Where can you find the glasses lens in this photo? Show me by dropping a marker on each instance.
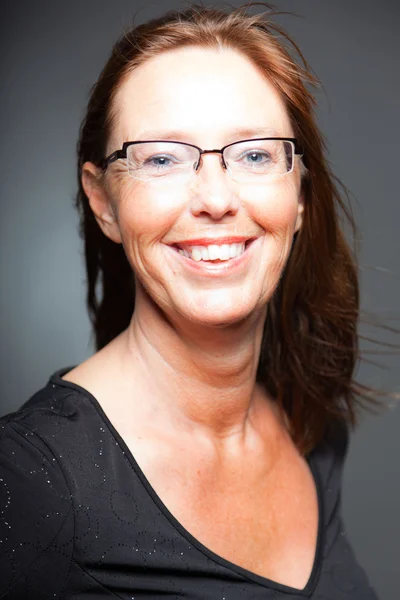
(258, 159)
(157, 160)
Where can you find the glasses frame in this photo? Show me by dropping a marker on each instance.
(122, 152)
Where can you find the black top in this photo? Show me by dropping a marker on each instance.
(78, 518)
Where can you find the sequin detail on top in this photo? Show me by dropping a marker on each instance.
(79, 519)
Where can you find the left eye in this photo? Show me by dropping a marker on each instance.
(256, 156)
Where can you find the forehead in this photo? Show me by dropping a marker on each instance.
(205, 94)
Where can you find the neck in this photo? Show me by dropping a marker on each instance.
(197, 376)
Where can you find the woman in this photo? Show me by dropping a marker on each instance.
(198, 453)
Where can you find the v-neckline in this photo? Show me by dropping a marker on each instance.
(56, 378)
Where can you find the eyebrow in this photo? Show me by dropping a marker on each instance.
(237, 133)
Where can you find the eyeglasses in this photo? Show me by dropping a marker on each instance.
(246, 161)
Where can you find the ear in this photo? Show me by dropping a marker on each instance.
(99, 201)
(300, 213)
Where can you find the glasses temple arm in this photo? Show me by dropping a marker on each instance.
(113, 157)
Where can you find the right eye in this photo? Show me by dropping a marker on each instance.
(160, 161)
(157, 159)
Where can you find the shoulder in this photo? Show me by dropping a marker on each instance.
(337, 440)
(332, 451)
(50, 409)
(329, 458)
(336, 449)
(37, 523)
(51, 425)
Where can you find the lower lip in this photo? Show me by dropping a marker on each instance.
(216, 269)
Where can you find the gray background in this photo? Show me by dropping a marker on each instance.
(51, 53)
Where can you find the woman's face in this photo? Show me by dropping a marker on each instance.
(204, 97)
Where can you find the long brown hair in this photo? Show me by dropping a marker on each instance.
(310, 343)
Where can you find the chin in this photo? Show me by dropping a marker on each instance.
(217, 316)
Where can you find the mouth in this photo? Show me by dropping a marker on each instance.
(213, 253)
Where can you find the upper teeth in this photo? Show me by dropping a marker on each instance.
(213, 252)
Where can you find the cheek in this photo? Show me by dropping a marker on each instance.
(145, 216)
(275, 207)
(146, 213)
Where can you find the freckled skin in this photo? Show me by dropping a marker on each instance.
(188, 331)
(179, 382)
(206, 94)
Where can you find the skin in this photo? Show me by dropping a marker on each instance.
(190, 332)
(208, 438)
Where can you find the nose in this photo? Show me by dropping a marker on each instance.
(213, 192)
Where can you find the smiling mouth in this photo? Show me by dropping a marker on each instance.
(214, 253)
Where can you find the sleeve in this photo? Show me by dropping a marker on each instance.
(36, 517)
